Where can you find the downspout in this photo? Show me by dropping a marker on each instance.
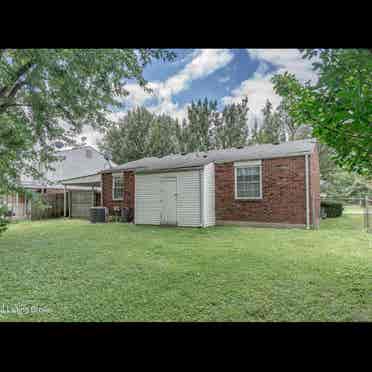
(201, 183)
(307, 191)
(65, 201)
(101, 185)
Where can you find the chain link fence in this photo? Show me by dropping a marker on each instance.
(357, 206)
(368, 215)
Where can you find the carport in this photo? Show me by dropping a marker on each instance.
(80, 194)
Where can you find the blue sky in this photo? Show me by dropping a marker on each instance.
(214, 86)
(226, 75)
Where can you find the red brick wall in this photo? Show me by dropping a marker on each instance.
(128, 200)
(283, 188)
(314, 186)
(129, 189)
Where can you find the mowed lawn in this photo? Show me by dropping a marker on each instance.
(116, 272)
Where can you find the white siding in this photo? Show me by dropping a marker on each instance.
(188, 198)
(147, 199)
(209, 195)
(73, 163)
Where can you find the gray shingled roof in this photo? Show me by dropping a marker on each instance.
(197, 159)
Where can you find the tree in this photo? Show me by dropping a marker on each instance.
(202, 116)
(270, 125)
(3, 220)
(256, 137)
(164, 136)
(289, 129)
(141, 134)
(338, 106)
(231, 129)
(270, 131)
(182, 136)
(343, 184)
(48, 95)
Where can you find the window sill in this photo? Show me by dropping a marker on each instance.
(260, 198)
(118, 199)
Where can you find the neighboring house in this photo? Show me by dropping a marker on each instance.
(76, 162)
(275, 185)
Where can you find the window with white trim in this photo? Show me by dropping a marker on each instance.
(117, 186)
(248, 180)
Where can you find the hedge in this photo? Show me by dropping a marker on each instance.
(332, 209)
(3, 218)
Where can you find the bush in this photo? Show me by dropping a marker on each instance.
(3, 218)
(332, 209)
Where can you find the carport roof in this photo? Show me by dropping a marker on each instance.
(197, 159)
(92, 180)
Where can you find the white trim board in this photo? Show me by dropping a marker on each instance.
(246, 164)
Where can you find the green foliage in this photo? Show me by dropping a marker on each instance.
(163, 136)
(48, 95)
(342, 184)
(288, 127)
(277, 126)
(231, 130)
(332, 209)
(182, 136)
(338, 106)
(207, 128)
(271, 126)
(141, 134)
(202, 117)
(3, 218)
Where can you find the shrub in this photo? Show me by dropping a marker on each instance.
(3, 218)
(332, 209)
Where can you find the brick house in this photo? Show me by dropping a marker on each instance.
(268, 185)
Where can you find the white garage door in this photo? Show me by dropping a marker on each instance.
(172, 198)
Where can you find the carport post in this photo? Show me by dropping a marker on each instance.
(65, 201)
(93, 196)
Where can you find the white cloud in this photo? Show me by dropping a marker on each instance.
(204, 63)
(224, 79)
(170, 108)
(259, 88)
(201, 63)
(285, 60)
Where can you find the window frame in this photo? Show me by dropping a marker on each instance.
(114, 177)
(247, 164)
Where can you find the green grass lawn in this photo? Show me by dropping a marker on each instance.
(357, 209)
(117, 272)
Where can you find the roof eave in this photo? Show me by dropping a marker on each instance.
(168, 170)
(265, 157)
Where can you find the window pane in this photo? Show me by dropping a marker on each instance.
(248, 182)
(118, 187)
(248, 190)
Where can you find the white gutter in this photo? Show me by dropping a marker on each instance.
(101, 184)
(307, 191)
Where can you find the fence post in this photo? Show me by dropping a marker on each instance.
(366, 213)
